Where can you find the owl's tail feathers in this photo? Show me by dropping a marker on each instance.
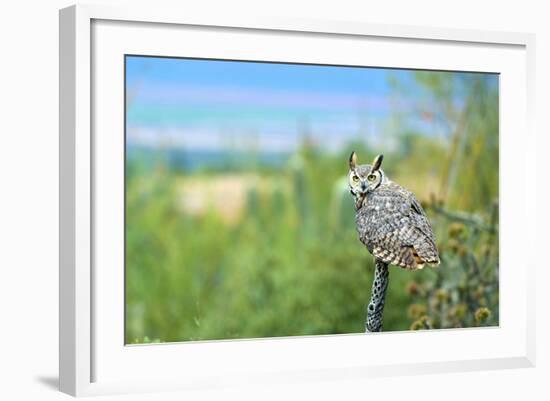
(432, 261)
(433, 265)
(407, 257)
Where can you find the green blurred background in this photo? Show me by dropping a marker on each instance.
(239, 223)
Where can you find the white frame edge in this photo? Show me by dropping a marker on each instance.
(75, 208)
(74, 201)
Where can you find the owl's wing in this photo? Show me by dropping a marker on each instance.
(398, 229)
(419, 216)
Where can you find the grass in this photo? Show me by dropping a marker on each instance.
(289, 264)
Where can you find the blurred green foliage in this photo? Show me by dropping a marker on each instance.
(273, 251)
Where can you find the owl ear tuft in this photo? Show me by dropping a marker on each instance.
(377, 162)
(352, 160)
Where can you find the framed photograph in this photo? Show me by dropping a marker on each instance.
(247, 201)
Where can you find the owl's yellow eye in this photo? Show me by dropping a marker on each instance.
(371, 177)
(355, 178)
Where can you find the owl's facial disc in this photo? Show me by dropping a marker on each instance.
(362, 181)
(364, 178)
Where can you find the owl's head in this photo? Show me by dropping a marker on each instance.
(364, 178)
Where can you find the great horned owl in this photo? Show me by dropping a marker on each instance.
(390, 221)
(392, 225)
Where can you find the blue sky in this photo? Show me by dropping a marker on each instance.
(206, 104)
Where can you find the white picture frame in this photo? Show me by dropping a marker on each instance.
(92, 354)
